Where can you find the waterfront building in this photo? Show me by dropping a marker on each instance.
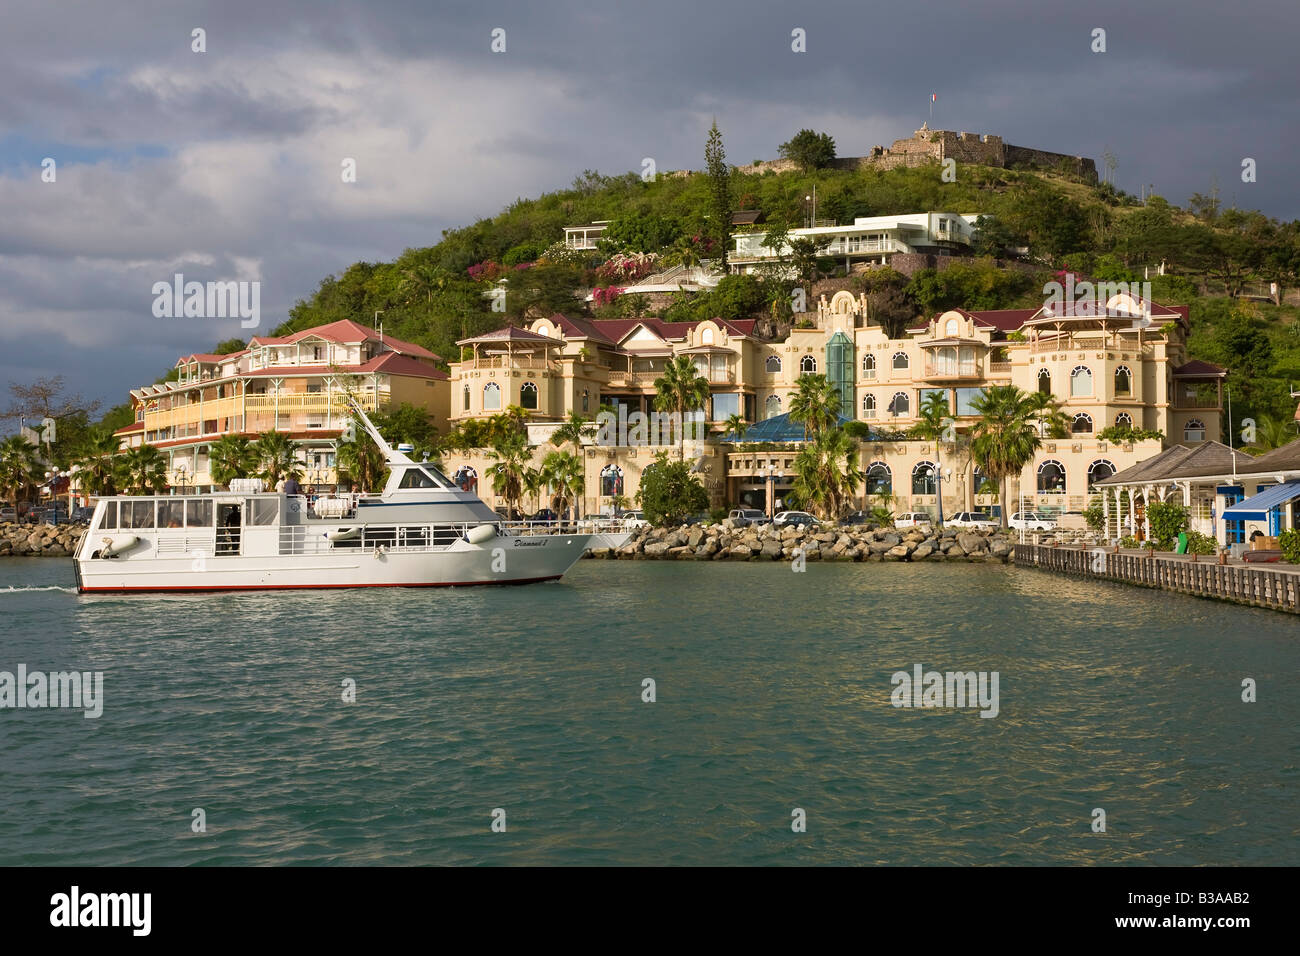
(293, 384)
(1124, 363)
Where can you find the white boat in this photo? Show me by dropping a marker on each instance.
(422, 531)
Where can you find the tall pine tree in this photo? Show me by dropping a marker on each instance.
(715, 158)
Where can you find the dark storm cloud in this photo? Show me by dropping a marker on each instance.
(226, 163)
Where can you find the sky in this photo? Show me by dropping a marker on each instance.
(226, 164)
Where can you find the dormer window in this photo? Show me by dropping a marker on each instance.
(950, 328)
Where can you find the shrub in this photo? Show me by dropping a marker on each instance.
(1289, 542)
(1198, 543)
(1128, 541)
(670, 493)
(1167, 519)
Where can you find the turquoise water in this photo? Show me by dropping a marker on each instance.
(773, 692)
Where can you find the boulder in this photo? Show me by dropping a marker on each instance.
(972, 543)
(740, 551)
(923, 551)
(896, 553)
(656, 549)
(695, 537)
(772, 550)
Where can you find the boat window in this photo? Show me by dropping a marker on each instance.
(415, 478)
(137, 514)
(171, 514)
(109, 518)
(262, 511)
(198, 514)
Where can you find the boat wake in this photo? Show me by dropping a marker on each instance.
(52, 587)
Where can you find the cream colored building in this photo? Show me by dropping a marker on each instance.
(1119, 366)
(294, 384)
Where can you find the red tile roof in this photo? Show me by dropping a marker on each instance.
(346, 331)
(1199, 367)
(510, 333)
(133, 427)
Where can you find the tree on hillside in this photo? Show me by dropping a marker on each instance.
(811, 150)
(888, 304)
(720, 205)
(228, 347)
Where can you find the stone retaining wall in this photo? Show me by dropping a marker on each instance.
(41, 540)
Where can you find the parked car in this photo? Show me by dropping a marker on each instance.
(547, 515)
(8, 514)
(913, 519)
(509, 514)
(633, 519)
(977, 520)
(81, 515)
(744, 517)
(701, 518)
(795, 519)
(596, 522)
(856, 518)
(1032, 521)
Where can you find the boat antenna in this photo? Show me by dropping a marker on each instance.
(391, 456)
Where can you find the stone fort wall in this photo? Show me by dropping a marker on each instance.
(934, 146)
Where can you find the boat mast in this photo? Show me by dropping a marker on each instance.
(391, 456)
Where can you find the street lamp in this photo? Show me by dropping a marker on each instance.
(181, 471)
(51, 477)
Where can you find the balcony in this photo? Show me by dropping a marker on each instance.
(309, 401)
(526, 361)
(999, 368)
(625, 379)
(953, 371)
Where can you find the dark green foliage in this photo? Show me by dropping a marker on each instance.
(670, 493)
(811, 150)
(636, 232)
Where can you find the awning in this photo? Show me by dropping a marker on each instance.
(1257, 507)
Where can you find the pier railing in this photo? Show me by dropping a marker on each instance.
(1260, 585)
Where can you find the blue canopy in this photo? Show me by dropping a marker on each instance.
(779, 428)
(1256, 508)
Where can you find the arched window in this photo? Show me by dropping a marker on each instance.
(491, 397)
(807, 365)
(950, 328)
(1082, 424)
(868, 406)
(706, 336)
(923, 478)
(1124, 419)
(1080, 381)
(465, 395)
(1099, 470)
(611, 481)
(1045, 381)
(868, 366)
(900, 406)
(900, 361)
(1194, 430)
(773, 363)
(528, 395)
(1051, 478)
(1123, 381)
(773, 405)
(880, 481)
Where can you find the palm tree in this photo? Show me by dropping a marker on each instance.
(17, 466)
(1006, 435)
(512, 456)
(573, 431)
(1270, 433)
(828, 473)
(99, 467)
(565, 473)
(231, 457)
(736, 425)
(361, 460)
(933, 419)
(681, 389)
(682, 253)
(1052, 422)
(816, 404)
(276, 452)
(144, 471)
(534, 482)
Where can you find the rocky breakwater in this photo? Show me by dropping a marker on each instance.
(40, 540)
(722, 542)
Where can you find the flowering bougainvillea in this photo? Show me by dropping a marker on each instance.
(605, 295)
(485, 271)
(628, 266)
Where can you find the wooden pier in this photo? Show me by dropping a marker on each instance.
(1276, 587)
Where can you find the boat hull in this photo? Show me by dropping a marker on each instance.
(504, 560)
